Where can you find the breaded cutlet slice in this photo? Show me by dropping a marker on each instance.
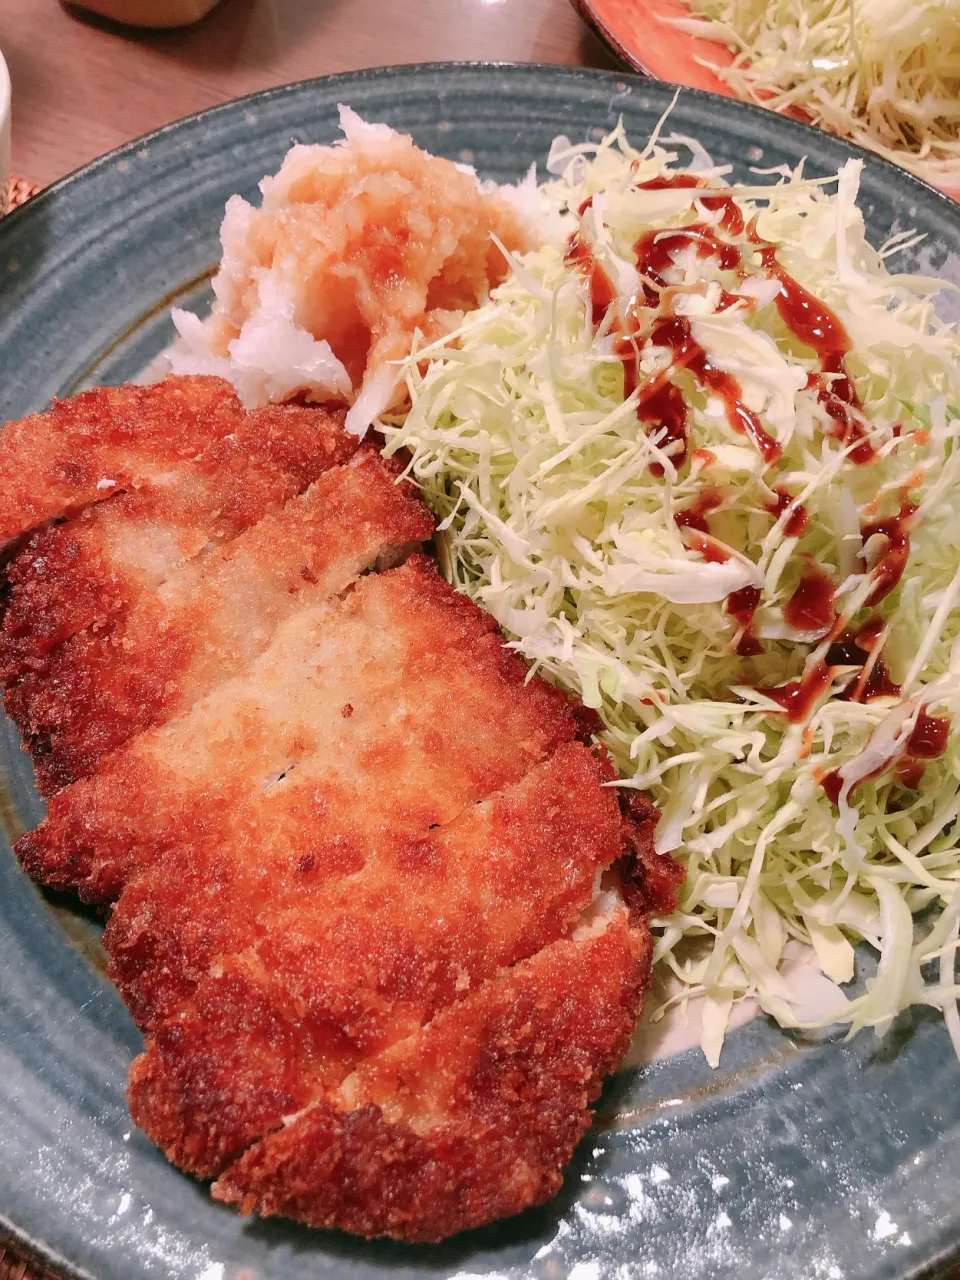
(468, 1120)
(500, 870)
(80, 450)
(215, 615)
(82, 572)
(397, 703)
(363, 917)
(335, 976)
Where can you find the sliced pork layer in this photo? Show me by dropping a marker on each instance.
(502, 878)
(397, 703)
(83, 573)
(468, 1120)
(380, 911)
(81, 450)
(212, 617)
(340, 974)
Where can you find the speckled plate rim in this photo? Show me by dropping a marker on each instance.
(569, 76)
(413, 70)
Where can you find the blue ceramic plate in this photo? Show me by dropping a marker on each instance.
(829, 1161)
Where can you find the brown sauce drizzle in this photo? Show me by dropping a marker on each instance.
(811, 607)
(731, 219)
(724, 385)
(909, 773)
(853, 649)
(926, 741)
(709, 548)
(798, 519)
(833, 397)
(676, 182)
(850, 649)
(878, 684)
(816, 326)
(741, 605)
(797, 698)
(888, 570)
(832, 785)
(813, 323)
(655, 250)
(928, 737)
(665, 406)
(599, 284)
(662, 406)
(695, 516)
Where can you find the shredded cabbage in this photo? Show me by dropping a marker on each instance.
(554, 519)
(884, 73)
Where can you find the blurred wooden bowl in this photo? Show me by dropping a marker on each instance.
(149, 13)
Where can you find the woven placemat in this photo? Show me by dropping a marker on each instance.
(17, 191)
(13, 1267)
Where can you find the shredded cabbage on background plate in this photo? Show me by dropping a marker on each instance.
(884, 73)
(559, 505)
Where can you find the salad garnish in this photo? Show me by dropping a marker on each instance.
(700, 459)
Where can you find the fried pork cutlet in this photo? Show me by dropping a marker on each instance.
(215, 614)
(359, 917)
(501, 875)
(468, 1120)
(379, 912)
(428, 920)
(167, 499)
(396, 704)
(109, 438)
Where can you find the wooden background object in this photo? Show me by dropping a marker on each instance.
(82, 85)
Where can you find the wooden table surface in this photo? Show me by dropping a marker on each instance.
(82, 85)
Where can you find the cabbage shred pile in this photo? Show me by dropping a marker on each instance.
(884, 73)
(559, 505)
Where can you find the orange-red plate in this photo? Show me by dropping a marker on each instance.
(641, 33)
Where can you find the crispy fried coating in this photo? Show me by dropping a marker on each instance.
(364, 964)
(369, 949)
(217, 613)
(649, 881)
(247, 1054)
(397, 702)
(380, 913)
(84, 572)
(470, 1119)
(56, 462)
